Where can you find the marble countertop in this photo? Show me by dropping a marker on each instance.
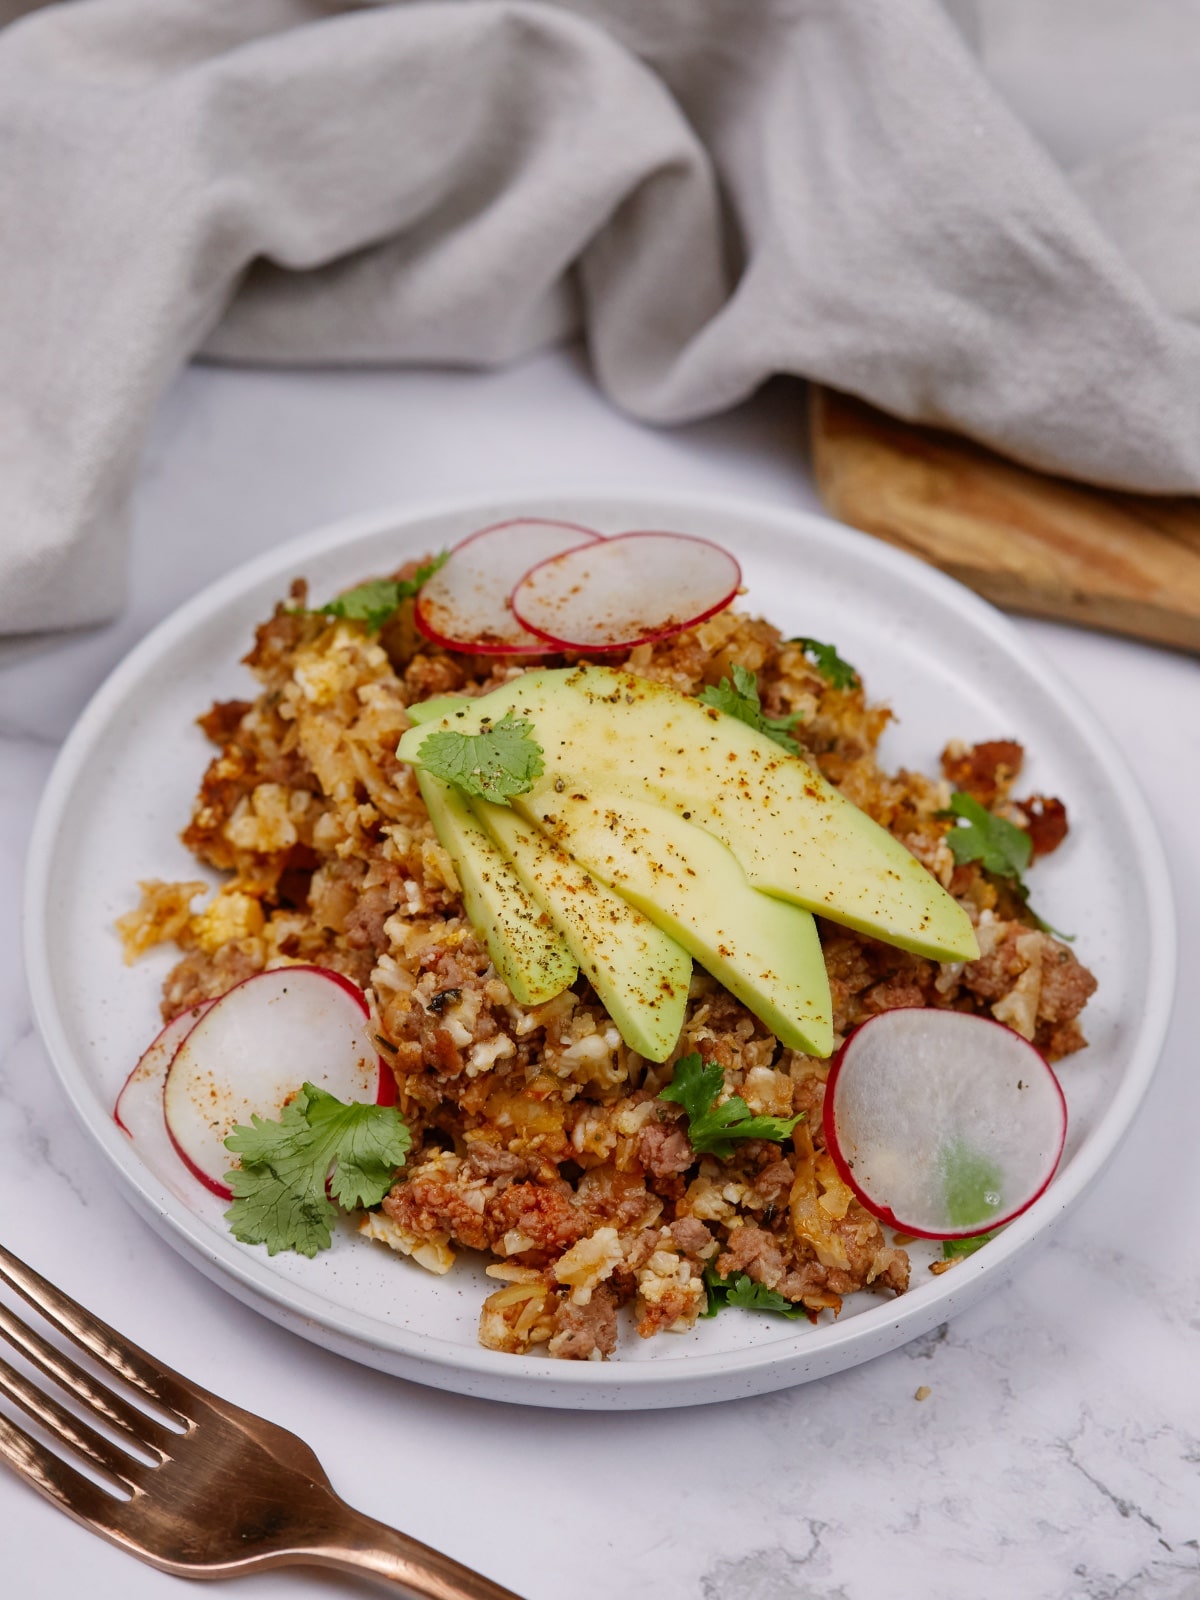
(1057, 1454)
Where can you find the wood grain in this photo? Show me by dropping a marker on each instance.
(1127, 563)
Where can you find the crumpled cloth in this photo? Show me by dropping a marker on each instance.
(711, 191)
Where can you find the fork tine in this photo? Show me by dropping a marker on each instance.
(68, 1428)
(56, 1479)
(134, 1424)
(160, 1383)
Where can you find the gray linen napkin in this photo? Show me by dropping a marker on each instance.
(711, 190)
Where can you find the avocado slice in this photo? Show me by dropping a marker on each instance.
(640, 973)
(641, 976)
(791, 832)
(765, 951)
(439, 705)
(526, 948)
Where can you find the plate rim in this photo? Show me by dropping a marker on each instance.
(531, 1379)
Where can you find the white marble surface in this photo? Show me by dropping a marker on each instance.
(1058, 1453)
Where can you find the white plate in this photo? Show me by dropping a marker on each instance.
(950, 665)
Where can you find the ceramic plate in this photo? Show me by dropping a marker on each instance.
(951, 667)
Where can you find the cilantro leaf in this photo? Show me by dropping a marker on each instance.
(370, 603)
(374, 602)
(279, 1194)
(836, 672)
(998, 845)
(695, 1084)
(952, 1248)
(740, 699)
(971, 1183)
(503, 759)
(743, 1292)
(713, 1129)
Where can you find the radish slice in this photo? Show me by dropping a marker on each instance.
(464, 606)
(139, 1108)
(627, 590)
(252, 1052)
(944, 1124)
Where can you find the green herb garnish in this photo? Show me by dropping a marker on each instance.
(279, 1194)
(971, 1184)
(998, 845)
(713, 1129)
(374, 602)
(743, 1292)
(501, 760)
(953, 1248)
(740, 699)
(836, 672)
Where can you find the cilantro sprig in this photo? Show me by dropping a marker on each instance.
(740, 699)
(837, 673)
(501, 760)
(374, 602)
(742, 1291)
(998, 845)
(714, 1129)
(279, 1191)
(953, 1248)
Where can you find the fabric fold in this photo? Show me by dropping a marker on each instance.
(710, 191)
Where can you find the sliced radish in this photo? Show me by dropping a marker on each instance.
(252, 1052)
(139, 1108)
(627, 590)
(464, 606)
(944, 1124)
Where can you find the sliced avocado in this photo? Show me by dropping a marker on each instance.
(640, 973)
(765, 951)
(792, 833)
(526, 949)
(440, 705)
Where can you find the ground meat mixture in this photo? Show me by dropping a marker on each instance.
(582, 1332)
(538, 1137)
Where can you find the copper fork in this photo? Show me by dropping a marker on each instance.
(216, 1492)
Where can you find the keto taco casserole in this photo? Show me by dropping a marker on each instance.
(539, 1138)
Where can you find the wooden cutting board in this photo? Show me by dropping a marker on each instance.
(1029, 542)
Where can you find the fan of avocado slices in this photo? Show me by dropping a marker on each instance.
(605, 824)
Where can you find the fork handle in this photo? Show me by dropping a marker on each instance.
(360, 1544)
